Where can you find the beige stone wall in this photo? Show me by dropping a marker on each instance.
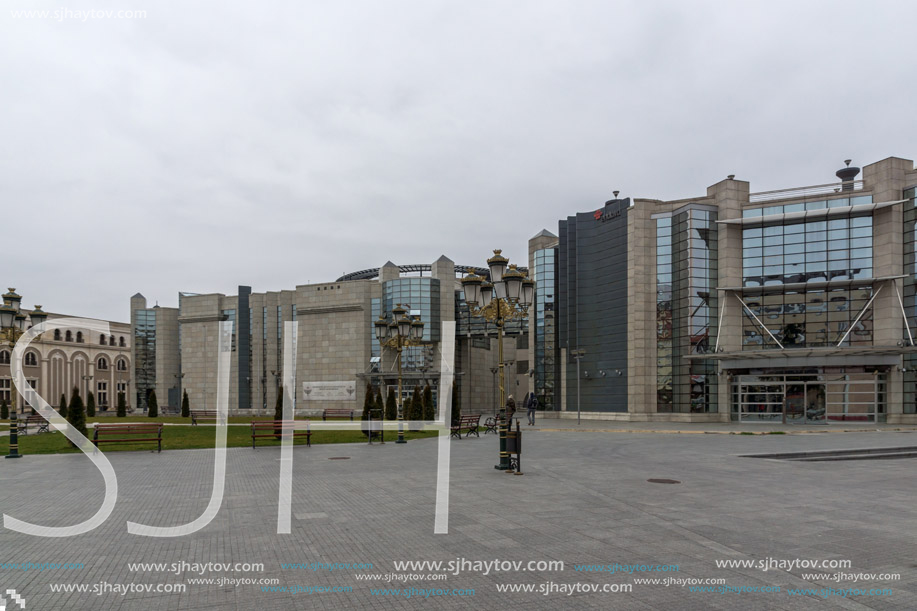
(334, 342)
(887, 180)
(199, 319)
(730, 196)
(641, 305)
(168, 357)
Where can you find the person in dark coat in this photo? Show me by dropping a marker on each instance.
(530, 405)
(510, 410)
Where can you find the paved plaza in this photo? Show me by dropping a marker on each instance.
(585, 500)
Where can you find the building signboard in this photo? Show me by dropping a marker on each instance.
(329, 391)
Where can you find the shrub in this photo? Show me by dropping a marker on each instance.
(406, 409)
(152, 405)
(122, 405)
(62, 406)
(76, 415)
(391, 407)
(367, 406)
(456, 407)
(91, 405)
(429, 410)
(185, 405)
(4, 410)
(416, 411)
(380, 409)
(278, 411)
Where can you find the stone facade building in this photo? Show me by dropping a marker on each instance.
(336, 344)
(60, 360)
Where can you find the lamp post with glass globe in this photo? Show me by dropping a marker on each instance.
(402, 332)
(507, 296)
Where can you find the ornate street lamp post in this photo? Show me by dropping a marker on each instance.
(494, 371)
(12, 325)
(507, 296)
(402, 332)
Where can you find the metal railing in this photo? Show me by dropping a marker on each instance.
(832, 188)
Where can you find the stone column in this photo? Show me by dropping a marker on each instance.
(641, 307)
(730, 196)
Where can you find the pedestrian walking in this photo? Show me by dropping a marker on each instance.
(510, 410)
(531, 404)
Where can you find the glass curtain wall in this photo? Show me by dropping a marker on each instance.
(145, 351)
(817, 251)
(421, 297)
(664, 314)
(686, 273)
(545, 330)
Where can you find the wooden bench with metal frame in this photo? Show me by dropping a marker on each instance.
(203, 415)
(127, 433)
(35, 419)
(466, 423)
(278, 429)
(338, 413)
(492, 425)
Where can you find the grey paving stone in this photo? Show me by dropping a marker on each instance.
(584, 499)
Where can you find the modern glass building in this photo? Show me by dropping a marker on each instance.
(544, 328)
(794, 305)
(154, 355)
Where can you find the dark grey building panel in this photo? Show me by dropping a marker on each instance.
(592, 296)
(244, 342)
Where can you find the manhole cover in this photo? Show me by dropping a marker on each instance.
(663, 481)
(339, 458)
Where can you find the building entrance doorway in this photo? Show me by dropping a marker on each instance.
(816, 398)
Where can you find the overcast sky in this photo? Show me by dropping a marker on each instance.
(212, 144)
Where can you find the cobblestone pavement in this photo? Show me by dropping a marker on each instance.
(584, 500)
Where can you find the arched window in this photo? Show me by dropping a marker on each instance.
(121, 341)
(31, 359)
(102, 339)
(102, 363)
(79, 337)
(122, 365)
(57, 335)
(69, 336)
(111, 340)
(4, 357)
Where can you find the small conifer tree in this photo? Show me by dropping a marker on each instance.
(456, 408)
(367, 406)
(62, 407)
(152, 405)
(429, 411)
(416, 411)
(185, 405)
(76, 415)
(4, 410)
(122, 406)
(391, 406)
(278, 412)
(91, 405)
(379, 406)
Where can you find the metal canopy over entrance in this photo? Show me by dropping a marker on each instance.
(809, 398)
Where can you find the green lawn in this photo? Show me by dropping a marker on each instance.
(187, 438)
